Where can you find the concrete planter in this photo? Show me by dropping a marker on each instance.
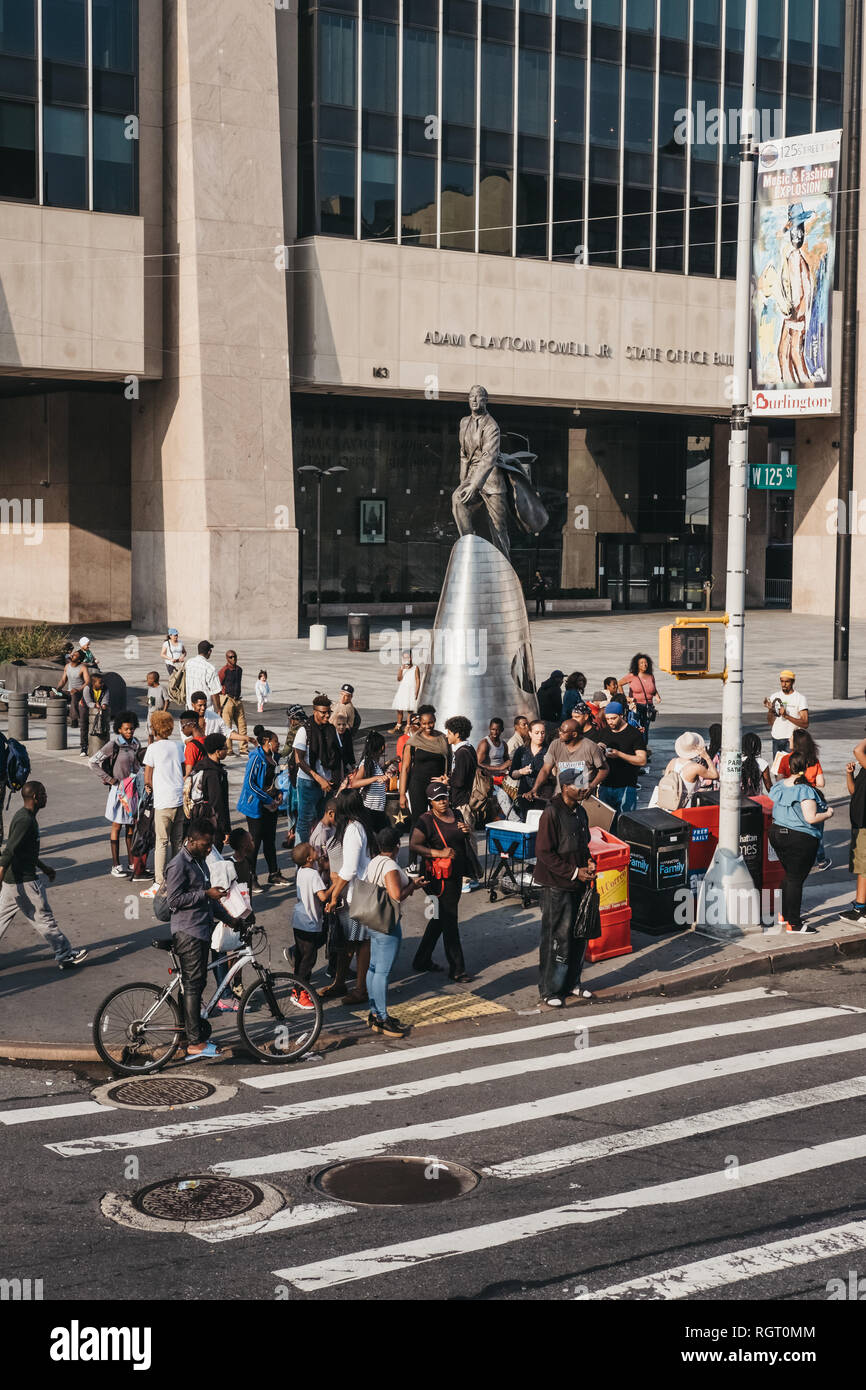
(26, 675)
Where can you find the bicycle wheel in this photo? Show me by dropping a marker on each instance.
(271, 1021)
(125, 1041)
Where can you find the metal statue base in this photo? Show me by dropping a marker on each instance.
(479, 662)
(728, 901)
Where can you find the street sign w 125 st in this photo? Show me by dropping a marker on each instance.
(770, 477)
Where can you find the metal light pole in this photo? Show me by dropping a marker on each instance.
(848, 390)
(727, 877)
(320, 474)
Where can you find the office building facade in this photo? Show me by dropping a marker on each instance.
(241, 239)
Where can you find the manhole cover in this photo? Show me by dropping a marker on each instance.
(395, 1181)
(160, 1091)
(197, 1198)
(163, 1092)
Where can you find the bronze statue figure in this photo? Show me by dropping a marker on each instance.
(487, 477)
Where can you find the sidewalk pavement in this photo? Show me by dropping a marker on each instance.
(47, 1013)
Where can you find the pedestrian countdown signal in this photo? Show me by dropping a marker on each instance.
(685, 650)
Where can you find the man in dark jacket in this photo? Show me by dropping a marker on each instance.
(464, 760)
(194, 905)
(550, 697)
(20, 884)
(565, 871)
(210, 789)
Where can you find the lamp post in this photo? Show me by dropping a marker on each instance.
(727, 878)
(320, 474)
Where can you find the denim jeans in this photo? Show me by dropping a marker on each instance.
(383, 953)
(781, 745)
(620, 798)
(309, 796)
(560, 951)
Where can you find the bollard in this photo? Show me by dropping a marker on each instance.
(17, 707)
(318, 637)
(55, 724)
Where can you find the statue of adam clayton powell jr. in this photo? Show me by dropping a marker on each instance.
(486, 477)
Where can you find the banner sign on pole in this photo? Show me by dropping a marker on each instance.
(793, 255)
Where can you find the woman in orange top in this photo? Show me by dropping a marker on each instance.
(804, 743)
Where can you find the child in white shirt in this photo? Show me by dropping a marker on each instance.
(308, 916)
(263, 690)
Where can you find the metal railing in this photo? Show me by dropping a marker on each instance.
(777, 593)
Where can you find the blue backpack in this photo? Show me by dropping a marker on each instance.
(14, 764)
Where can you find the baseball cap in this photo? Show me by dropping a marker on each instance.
(437, 791)
(172, 632)
(296, 712)
(787, 676)
(349, 689)
(569, 776)
(614, 707)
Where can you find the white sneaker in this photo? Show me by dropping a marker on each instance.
(151, 892)
(118, 872)
(579, 993)
(553, 1003)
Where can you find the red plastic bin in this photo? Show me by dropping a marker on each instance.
(615, 939)
(611, 857)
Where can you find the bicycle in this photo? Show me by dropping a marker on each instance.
(138, 1028)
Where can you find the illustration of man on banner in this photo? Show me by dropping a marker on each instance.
(793, 290)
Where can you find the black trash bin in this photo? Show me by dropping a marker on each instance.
(751, 830)
(658, 868)
(359, 632)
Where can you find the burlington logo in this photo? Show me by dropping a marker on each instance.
(77, 1343)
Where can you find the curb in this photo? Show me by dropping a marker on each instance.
(682, 982)
(712, 976)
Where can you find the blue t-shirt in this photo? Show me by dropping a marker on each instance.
(569, 700)
(786, 807)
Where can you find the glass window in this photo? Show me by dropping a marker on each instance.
(419, 200)
(640, 15)
(419, 73)
(64, 138)
(607, 12)
(670, 227)
(337, 60)
(602, 230)
(64, 30)
(336, 191)
(707, 22)
(604, 104)
(17, 150)
(18, 27)
(535, 6)
(458, 80)
(638, 110)
(702, 236)
(378, 196)
(532, 214)
(495, 211)
(830, 25)
(497, 64)
(674, 19)
(380, 66)
(636, 227)
(113, 165)
(672, 111)
(800, 33)
(568, 238)
(735, 24)
(458, 206)
(770, 28)
(707, 133)
(798, 117)
(570, 98)
(114, 24)
(533, 97)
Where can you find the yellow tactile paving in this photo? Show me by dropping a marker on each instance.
(442, 1008)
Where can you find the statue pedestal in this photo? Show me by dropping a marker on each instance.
(479, 662)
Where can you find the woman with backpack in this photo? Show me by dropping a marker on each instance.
(118, 763)
(259, 801)
(683, 775)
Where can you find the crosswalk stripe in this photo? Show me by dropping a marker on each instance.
(625, 1141)
(684, 1281)
(63, 1111)
(250, 1119)
(366, 1264)
(288, 1219)
(430, 1131)
(584, 1019)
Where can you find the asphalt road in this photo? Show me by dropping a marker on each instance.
(620, 1150)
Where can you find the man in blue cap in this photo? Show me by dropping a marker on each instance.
(625, 750)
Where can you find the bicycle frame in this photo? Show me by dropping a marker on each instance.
(245, 957)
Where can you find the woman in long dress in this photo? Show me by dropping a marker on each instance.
(406, 696)
(425, 760)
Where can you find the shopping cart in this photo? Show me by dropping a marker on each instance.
(508, 860)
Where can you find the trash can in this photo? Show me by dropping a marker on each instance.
(611, 857)
(703, 816)
(359, 632)
(658, 870)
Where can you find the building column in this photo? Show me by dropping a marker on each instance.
(214, 543)
(602, 489)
